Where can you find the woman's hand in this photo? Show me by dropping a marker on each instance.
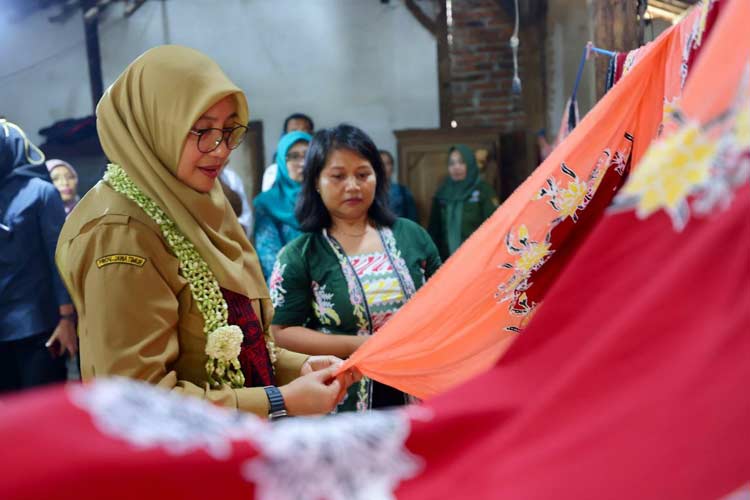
(318, 390)
(314, 393)
(63, 339)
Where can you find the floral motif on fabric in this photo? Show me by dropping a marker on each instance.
(531, 256)
(148, 417)
(346, 457)
(398, 262)
(276, 284)
(620, 162)
(566, 200)
(323, 305)
(670, 171)
(356, 296)
(694, 170)
(355, 292)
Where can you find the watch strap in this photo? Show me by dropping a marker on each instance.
(277, 408)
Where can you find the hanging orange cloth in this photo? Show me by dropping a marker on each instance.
(466, 316)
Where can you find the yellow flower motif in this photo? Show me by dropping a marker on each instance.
(532, 256)
(671, 169)
(572, 198)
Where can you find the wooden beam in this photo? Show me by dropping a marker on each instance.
(427, 23)
(615, 28)
(91, 27)
(444, 68)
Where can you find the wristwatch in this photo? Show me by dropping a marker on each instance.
(276, 402)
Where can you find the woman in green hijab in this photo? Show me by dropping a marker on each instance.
(462, 202)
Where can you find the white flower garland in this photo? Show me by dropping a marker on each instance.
(223, 341)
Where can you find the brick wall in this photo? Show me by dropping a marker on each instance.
(481, 67)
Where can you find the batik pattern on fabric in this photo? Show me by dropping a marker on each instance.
(323, 306)
(695, 169)
(276, 284)
(568, 195)
(394, 254)
(355, 291)
(381, 285)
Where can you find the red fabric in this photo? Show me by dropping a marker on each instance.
(254, 358)
(619, 65)
(51, 450)
(630, 382)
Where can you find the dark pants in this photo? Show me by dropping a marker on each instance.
(27, 363)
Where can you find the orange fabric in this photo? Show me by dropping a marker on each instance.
(466, 316)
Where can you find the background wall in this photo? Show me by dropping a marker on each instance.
(358, 61)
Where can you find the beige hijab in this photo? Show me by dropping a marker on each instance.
(143, 121)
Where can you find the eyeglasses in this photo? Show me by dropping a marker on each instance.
(210, 138)
(295, 157)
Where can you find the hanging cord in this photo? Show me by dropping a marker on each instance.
(29, 146)
(516, 87)
(587, 50)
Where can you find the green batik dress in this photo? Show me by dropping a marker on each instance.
(316, 285)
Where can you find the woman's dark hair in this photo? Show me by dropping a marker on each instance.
(310, 210)
(297, 116)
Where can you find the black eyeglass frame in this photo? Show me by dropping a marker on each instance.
(226, 133)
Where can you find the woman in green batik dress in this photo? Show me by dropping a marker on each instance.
(355, 265)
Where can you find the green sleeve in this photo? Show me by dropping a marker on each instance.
(410, 206)
(432, 256)
(489, 201)
(435, 224)
(290, 288)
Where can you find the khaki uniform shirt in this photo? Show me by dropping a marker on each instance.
(137, 317)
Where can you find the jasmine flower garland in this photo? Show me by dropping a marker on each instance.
(223, 341)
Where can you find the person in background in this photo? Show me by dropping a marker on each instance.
(275, 222)
(400, 198)
(294, 122)
(36, 315)
(231, 180)
(462, 202)
(355, 265)
(168, 288)
(65, 179)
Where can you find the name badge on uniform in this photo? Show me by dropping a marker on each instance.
(130, 260)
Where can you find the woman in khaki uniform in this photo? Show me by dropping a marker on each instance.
(167, 287)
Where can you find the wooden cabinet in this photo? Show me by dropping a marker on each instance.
(423, 160)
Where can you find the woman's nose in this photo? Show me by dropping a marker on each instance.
(222, 150)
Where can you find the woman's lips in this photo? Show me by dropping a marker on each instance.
(212, 172)
(353, 201)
